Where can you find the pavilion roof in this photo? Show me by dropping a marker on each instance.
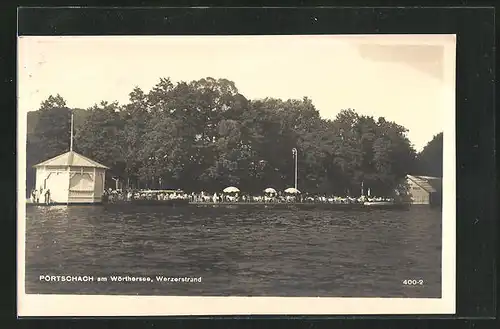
(71, 159)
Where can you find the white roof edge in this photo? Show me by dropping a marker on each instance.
(47, 162)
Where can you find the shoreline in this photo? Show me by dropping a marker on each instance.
(251, 205)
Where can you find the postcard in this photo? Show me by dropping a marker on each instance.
(236, 175)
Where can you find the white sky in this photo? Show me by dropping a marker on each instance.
(398, 77)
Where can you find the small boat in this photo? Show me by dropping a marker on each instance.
(146, 202)
(378, 203)
(171, 202)
(385, 205)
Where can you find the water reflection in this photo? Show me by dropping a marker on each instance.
(237, 252)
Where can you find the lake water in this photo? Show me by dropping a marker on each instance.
(235, 251)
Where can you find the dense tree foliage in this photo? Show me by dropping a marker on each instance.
(205, 135)
(48, 137)
(431, 158)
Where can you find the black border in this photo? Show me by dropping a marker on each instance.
(475, 29)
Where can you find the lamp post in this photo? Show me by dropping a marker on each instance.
(117, 180)
(294, 152)
(152, 172)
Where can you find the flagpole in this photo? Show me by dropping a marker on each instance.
(71, 140)
(294, 152)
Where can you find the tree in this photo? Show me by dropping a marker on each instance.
(162, 155)
(50, 136)
(135, 116)
(99, 137)
(430, 159)
(205, 135)
(53, 102)
(347, 155)
(398, 157)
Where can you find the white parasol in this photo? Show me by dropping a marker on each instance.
(292, 190)
(231, 189)
(270, 190)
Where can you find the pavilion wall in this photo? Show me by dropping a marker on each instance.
(100, 178)
(71, 178)
(71, 185)
(54, 179)
(82, 185)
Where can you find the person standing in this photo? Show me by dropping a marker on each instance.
(47, 196)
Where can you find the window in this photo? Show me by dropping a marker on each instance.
(81, 182)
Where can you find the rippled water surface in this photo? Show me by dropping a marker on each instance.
(248, 252)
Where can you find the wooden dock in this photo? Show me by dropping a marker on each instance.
(238, 205)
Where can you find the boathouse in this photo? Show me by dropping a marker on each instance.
(71, 179)
(425, 189)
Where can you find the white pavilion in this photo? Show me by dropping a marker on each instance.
(71, 178)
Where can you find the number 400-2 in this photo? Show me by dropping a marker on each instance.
(413, 282)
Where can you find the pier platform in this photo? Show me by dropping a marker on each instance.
(238, 205)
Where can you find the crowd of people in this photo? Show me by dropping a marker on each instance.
(129, 195)
(204, 197)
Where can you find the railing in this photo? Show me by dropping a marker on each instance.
(81, 194)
